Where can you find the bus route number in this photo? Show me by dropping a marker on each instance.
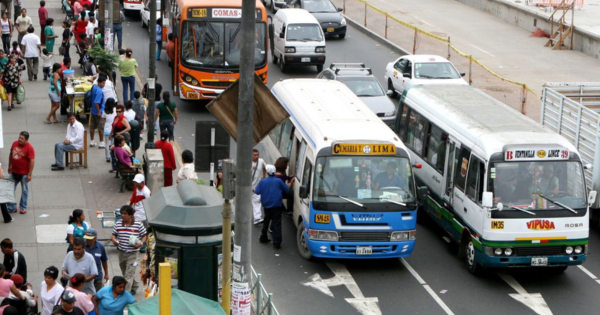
(322, 218)
(497, 225)
(198, 13)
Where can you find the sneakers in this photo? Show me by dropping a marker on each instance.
(259, 221)
(101, 145)
(23, 211)
(92, 144)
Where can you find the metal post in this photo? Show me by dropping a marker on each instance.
(151, 74)
(449, 48)
(164, 281)
(270, 306)
(365, 14)
(524, 101)
(386, 25)
(226, 299)
(108, 23)
(258, 294)
(415, 43)
(243, 190)
(344, 7)
(470, 70)
(212, 156)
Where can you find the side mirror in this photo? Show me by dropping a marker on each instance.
(462, 74)
(303, 192)
(592, 197)
(406, 75)
(487, 199)
(282, 34)
(340, 9)
(422, 193)
(588, 167)
(417, 165)
(390, 93)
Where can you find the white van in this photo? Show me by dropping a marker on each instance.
(297, 39)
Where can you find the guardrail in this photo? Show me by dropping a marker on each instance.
(262, 303)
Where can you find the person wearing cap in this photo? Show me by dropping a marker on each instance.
(30, 297)
(126, 231)
(271, 190)
(14, 261)
(50, 290)
(168, 156)
(140, 193)
(68, 305)
(98, 251)
(78, 261)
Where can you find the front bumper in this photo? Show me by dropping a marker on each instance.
(525, 261)
(338, 30)
(190, 92)
(300, 59)
(325, 249)
(133, 6)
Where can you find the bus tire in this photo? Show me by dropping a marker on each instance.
(471, 257)
(301, 242)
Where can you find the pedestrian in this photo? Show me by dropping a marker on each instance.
(14, 261)
(26, 290)
(98, 251)
(82, 49)
(17, 9)
(54, 92)
(167, 112)
(187, 170)
(7, 30)
(67, 306)
(3, 60)
(16, 50)
(50, 290)
(121, 154)
(20, 166)
(43, 15)
(31, 46)
(82, 300)
(118, 29)
(89, 29)
(65, 65)
(129, 113)
(120, 124)
(158, 38)
(7, 286)
(108, 115)
(77, 9)
(126, 231)
(112, 299)
(109, 88)
(219, 181)
(169, 164)
(3, 206)
(271, 190)
(281, 165)
(73, 141)
(76, 227)
(23, 23)
(66, 38)
(96, 121)
(89, 68)
(47, 62)
(140, 193)
(80, 25)
(49, 34)
(127, 68)
(80, 261)
(12, 79)
(170, 48)
(139, 107)
(258, 172)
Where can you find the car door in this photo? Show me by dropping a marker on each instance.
(406, 81)
(397, 74)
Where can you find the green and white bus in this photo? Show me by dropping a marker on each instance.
(510, 192)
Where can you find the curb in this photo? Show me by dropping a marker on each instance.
(397, 49)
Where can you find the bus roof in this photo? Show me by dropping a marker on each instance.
(328, 109)
(479, 118)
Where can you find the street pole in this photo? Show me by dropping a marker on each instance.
(151, 75)
(108, 22)
(243, 192)
(228, 189)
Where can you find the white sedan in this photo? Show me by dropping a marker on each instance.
(420, 70)
(145, 13)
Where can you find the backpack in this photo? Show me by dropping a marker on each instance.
(88, 100)
(77, 232)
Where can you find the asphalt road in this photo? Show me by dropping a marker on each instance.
(431, 281)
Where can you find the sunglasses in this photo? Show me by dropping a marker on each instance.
(119, 111)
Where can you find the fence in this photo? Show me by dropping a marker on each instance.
(418, 41)
(262, 303)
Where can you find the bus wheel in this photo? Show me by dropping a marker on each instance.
(470, 257)
(301, 242)
(391, 88)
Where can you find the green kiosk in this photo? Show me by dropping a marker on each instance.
(187, 223)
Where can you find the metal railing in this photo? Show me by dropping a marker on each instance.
(262, 302)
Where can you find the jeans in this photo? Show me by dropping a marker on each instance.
(118, 30)
(32, 66)
(128, 81)
(272, 216)
(6, 43)
(24, 192)
(158, 49)
(59, 152)
(170, 126)
(128, 269)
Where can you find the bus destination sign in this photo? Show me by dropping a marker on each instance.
(523, 154)
(363, 149)
(220, 13)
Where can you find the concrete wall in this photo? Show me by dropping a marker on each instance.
(584, 41)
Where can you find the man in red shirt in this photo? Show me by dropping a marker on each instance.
(170, 48)
(20, 167)
(43, 14)
(168, 157)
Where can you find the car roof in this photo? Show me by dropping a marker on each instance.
(425, 58)
(297, 16)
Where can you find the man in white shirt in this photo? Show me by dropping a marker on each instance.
(23, 22)
(109, 88)
(31, 46)
(258, 172)
(73, 141)
(89, 29)
(140, 193)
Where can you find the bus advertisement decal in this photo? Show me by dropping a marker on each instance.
(322, 218)
(363, 149)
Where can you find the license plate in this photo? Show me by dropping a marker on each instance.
(364, 250)
(322, 218)
(193, 95)
(305, 59)
(539, 261)
(330, 29)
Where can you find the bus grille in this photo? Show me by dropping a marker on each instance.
(540, 251)
(364, 236)
(216, 84)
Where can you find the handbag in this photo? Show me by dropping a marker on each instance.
(3, 95)
(61, 50)
(20, 93)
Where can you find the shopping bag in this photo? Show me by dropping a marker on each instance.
(3, 95)
(20, 93)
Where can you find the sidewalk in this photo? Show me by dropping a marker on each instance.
(53, 195)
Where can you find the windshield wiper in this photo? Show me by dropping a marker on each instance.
(558, 204)
(521, 209)
(352, 201)
(396, 202)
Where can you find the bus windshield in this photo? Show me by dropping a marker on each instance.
(521, 184)
(364, 179)
(217, 45)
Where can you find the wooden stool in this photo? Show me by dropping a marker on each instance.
(70, 161)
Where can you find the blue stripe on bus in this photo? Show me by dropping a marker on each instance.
(296, 120)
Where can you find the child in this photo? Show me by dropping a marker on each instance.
(97, 37)
(15, 49)
(47, 61)
(109, 115)
(121, 53)
(140, 110)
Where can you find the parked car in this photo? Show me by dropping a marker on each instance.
(145, 13)
(274, 5)
(361, 81)
(330, 18)
(420, 69)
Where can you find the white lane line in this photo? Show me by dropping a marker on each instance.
(512, 282)
(427, 287)
(587, 272)
(534, 301)
(423, 21)
(482, 50)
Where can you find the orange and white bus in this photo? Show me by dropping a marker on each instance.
(208, 44)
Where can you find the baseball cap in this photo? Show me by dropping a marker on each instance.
(90, 234)
(68, 297)
(18, 280)
(139, 178)
(270, 169)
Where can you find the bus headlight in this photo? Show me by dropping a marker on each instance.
(403, 236)
(498, 251)
(319, 235)
(569, 250)
(578, 249)
(189, 79)
(290, 49)
(508, 251)
(320, 49)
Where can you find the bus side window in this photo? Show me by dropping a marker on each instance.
(276, 135)
(301, 154)
(436, 148)
(285, 145)
(306, 175)
(403, 125)
(460, 176)
(474, 182)
(417, 132)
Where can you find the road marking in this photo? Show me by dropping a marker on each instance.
(423, 21)
(590, 274)
(427, 287)
(482, 50)
(534, 301)
(365, 306)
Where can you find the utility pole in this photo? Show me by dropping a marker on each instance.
(151, 75)
(108, 22)
(243, 214)
(228, 193)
